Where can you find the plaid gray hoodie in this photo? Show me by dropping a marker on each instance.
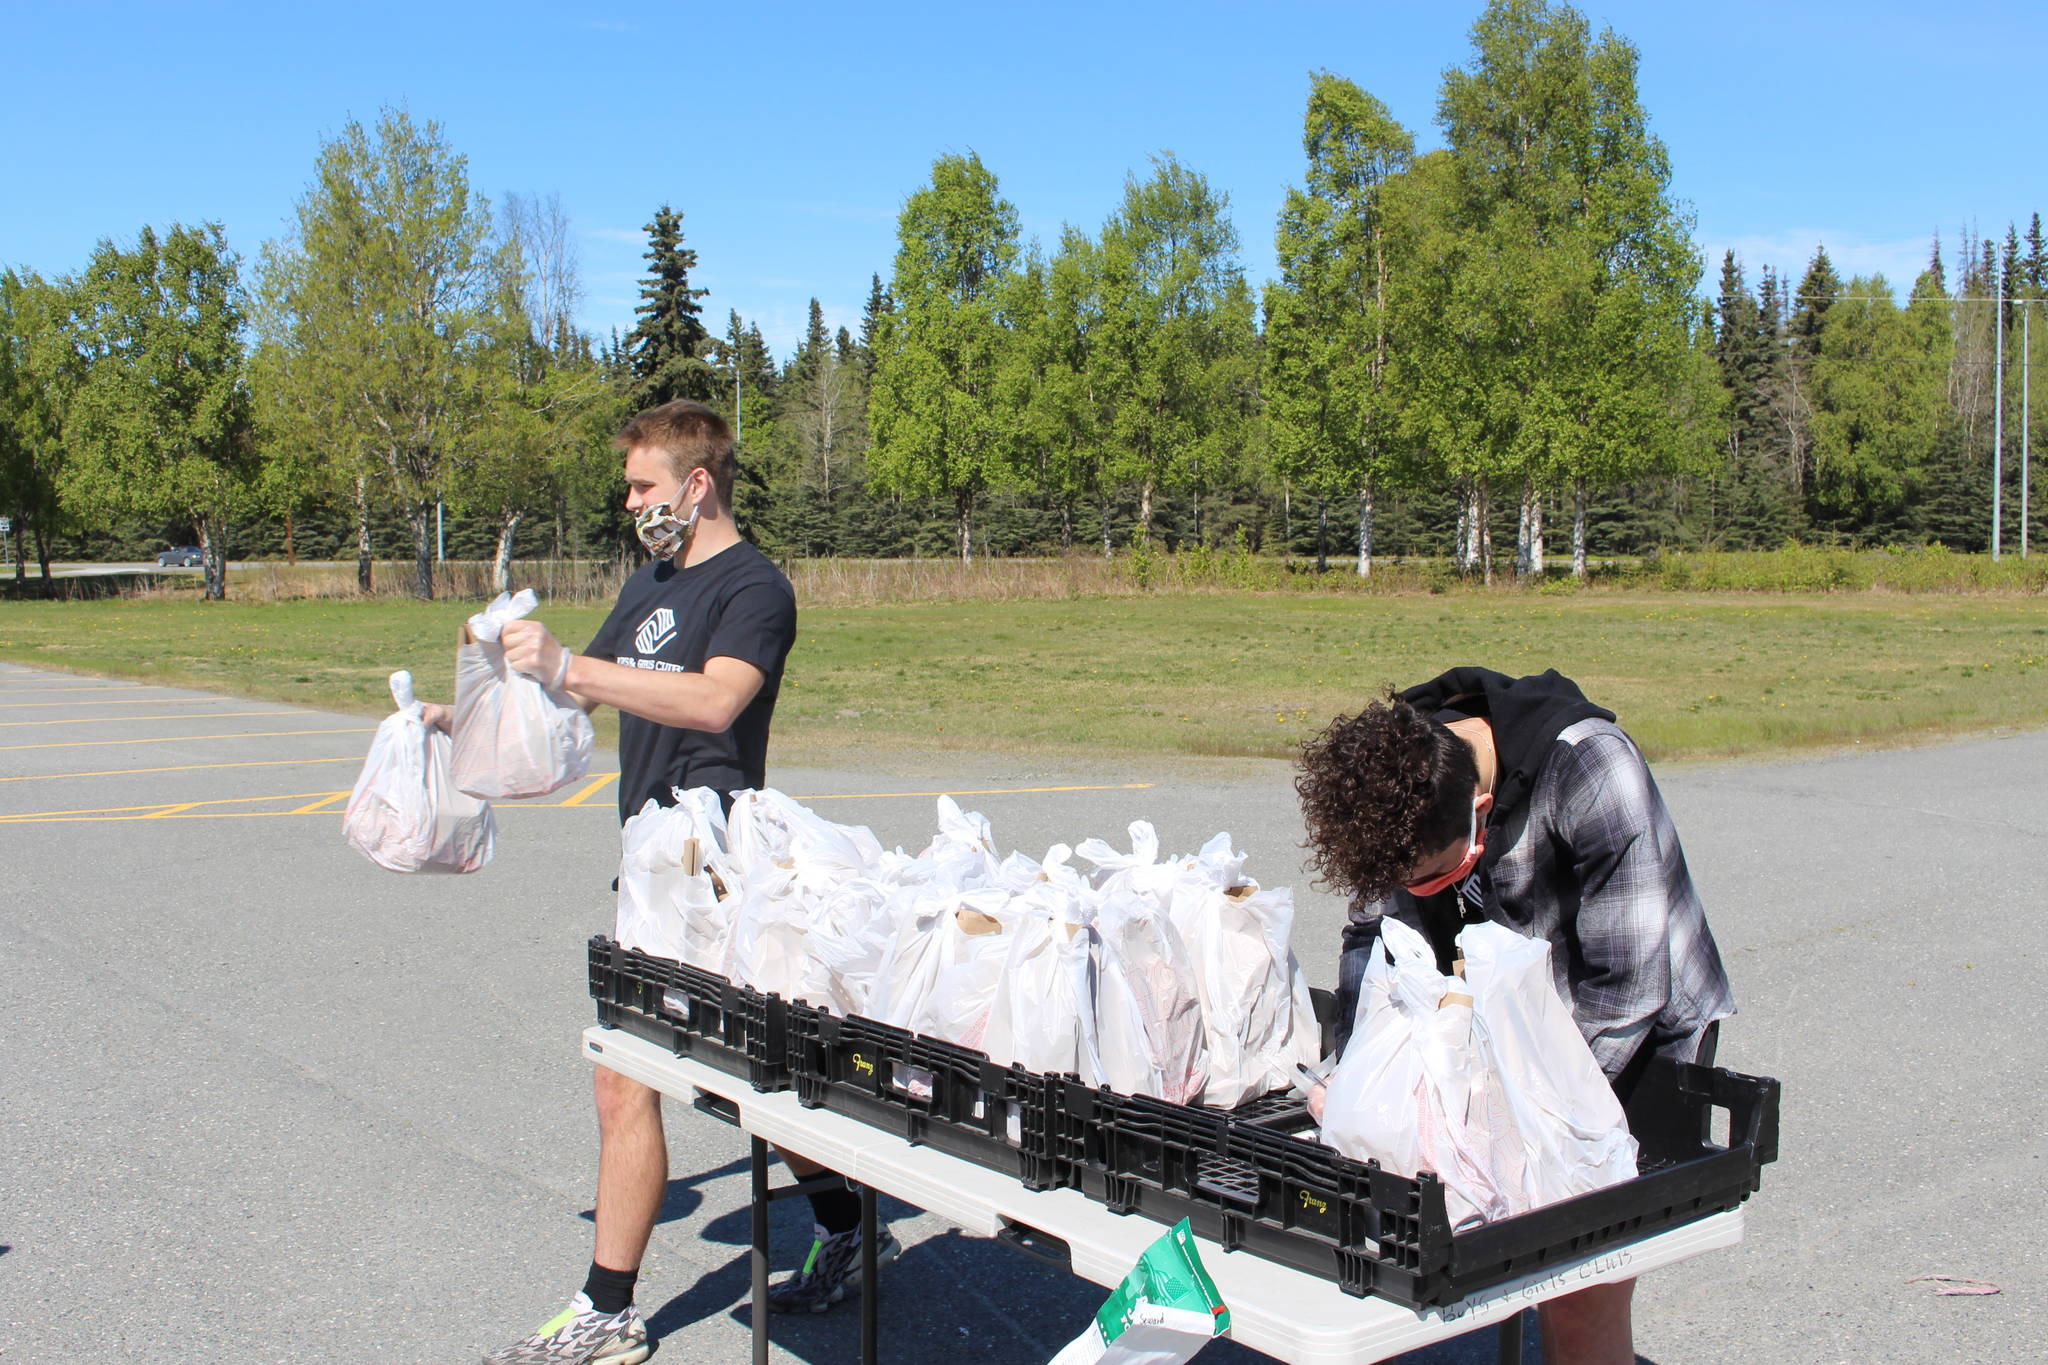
(1582, 852)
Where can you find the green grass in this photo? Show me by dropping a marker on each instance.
(1691, 675)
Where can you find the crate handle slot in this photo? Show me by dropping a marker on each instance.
(1039, 1246)
(717, 1106)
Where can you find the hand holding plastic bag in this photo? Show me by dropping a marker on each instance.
(1400, 1095)
(405, 813)
(514, 736)
(1556, 1128)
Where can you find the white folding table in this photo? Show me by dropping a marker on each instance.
(1285, 1313)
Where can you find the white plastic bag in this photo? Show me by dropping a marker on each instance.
(405, 813)
(1148, 1012)
(1042, 1017)
(1552, 1120)
(1402, 1091)
(944, 966)
(673, 901)
(1258, 1019)
(514, 736)
(813, 921)
(1484, 1080)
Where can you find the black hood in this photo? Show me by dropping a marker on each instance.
(1527, 715)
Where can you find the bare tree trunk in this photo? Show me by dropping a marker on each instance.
(963, 504)
(43, 549)
(1522, 548)
(1145, 509)
(213, 555)
(501, 568)
(420, 517)
(1365, 529)
(1108, 550)
(1322, 535)
(1066, 526)
(1482, 513)
(1287, 513)
(362, 533)
(1579, 529)
(1536, 535)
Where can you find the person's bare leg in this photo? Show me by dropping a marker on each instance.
(802, 1167)
(632, 1168)
(1591, 1327)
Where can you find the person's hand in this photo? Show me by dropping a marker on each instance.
(532, 649)
(1315, 1102)
(439, 717)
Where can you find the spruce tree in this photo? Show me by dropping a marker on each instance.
(665, 346)
(1816, 295)
(879, 305)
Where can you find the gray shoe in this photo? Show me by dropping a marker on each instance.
(832, 1267)
(580, 1335)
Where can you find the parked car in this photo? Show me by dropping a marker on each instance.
(180, 557)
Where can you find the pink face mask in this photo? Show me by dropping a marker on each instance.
(1474, 848)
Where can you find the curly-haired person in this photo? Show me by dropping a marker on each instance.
(1476, 796)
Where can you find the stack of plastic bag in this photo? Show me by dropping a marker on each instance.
(813, 919)
(675, 893)
(514, 736)
(1484, 1079)
(406, 813)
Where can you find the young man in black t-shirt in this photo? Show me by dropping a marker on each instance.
(692, 655)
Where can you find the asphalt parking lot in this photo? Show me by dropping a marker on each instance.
(261, 1100)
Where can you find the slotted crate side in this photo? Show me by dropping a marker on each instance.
(1260, 1187)
(692, 1012)
(994, 1116)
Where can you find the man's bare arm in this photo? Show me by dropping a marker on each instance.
(710, 701)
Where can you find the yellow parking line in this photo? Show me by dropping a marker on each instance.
(115, 720)
(124, 701)
(182, 768)
(312, 806)
(170, 810)
(157, 808)
(602, 781)
(176, 739)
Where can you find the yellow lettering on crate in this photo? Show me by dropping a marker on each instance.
(1309, 1201)
(861, 1063)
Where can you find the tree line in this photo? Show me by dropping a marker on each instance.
(1460, 349)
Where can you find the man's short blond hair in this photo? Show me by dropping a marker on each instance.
(691, 435)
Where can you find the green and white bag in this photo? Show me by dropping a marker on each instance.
(1164, 1312)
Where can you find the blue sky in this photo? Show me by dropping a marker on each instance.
(789, 135)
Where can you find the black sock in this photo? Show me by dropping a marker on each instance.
(610, 1291)
(837, 1210)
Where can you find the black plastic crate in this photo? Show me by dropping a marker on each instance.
(928, 1093)
(1249, 1181)
(692, 1012)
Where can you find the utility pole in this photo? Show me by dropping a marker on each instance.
(1997, 422)
(2026, 412)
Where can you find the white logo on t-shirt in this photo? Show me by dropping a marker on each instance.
(657, 630)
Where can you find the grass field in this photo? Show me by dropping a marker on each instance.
(1692, 675)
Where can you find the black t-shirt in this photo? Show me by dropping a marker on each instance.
(735, 604)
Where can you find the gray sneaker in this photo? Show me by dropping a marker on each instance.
(580, 1335)
(832, 1267)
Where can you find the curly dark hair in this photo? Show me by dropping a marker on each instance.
(1380, 791)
